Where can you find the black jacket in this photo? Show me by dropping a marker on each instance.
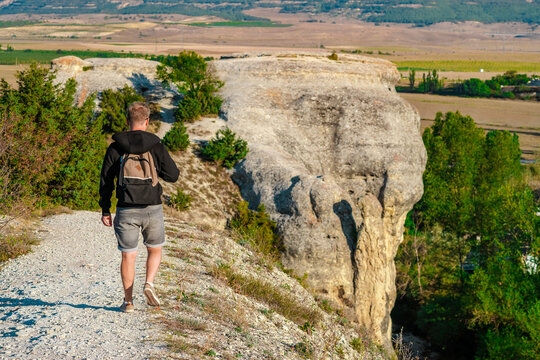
(134, 142)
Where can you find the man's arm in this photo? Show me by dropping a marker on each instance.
(168, 170)
(109, 171)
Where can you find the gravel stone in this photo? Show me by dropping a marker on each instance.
(62, 300)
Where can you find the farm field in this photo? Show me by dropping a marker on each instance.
(459, 50)
(469, 65)
(521, 117)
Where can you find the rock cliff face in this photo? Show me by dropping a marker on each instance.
(337, 159)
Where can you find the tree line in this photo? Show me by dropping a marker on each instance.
(467, 273)
(505, 86)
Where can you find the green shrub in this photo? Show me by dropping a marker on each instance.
(180, 201)
(333, 56)
(475, 87)
(508, 95)
(114, 105)
(176, 139)
(189, 109)
(54, 150)
(256, 229)
(225, 148)
(191, 74)
(12, 245)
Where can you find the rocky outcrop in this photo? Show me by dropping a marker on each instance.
(95, 75)
(337, 159)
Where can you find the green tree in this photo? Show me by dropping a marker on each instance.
(114, 105)
(412, 78)
(454, 146)
(56, 147)
(176, 139)
(474, 87)
(225, 148)
(505, 306)
(477, 214)
(431, 82)
(196, 80)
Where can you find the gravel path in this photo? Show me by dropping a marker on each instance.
(61, 301)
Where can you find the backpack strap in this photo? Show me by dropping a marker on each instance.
(121, 175)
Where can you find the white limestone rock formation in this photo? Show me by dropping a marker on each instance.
(336, 157)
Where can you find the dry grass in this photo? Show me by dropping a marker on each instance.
(276, 299)
(13, 245)
(56, 210)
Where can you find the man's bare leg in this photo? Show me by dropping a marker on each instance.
(127, 270)
(152, 263)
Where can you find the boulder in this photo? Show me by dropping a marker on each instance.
(337, 159)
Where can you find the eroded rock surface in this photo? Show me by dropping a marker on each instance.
(336, 157)
(95, 75)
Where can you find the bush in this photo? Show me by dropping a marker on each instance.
(180, 201)
(191, 74)
(188, 110)
(12, 245)
(256, 229)
(225, 148)
(51, 149)
(333, 56)
(508, 95)
(176, 139)
(475, 87)
(114, 105)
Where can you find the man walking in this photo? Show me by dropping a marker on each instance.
(136, 159)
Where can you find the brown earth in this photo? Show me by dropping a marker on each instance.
(169, 33)
(518, 116)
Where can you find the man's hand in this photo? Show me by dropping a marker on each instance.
(106, 220)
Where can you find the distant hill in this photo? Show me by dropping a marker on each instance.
(422, 12)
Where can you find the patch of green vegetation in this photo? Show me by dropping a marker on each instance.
(462, 272)
(55, 149)
(17, 23)
(277, 300)
(257, 230)
(190, 73)
(467, 65)
(177, 139)
(239, 24)
(29, 56)
(114, 105)
(506, 86)
(225, 148)
(13, 245)
(180, 201)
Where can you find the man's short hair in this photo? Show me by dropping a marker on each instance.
(137, 113)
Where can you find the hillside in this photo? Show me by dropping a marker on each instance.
(218, 297)
(422, 12)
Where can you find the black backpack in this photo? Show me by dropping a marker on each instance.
(138, 179)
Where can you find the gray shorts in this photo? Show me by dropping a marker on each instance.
(148, 220)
